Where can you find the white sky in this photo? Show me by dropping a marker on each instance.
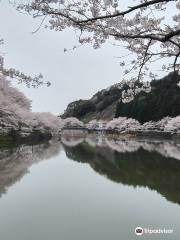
(74, 75)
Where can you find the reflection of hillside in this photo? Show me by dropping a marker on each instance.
(134, 163)
(15, 162)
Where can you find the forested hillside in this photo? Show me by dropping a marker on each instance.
(163, 100)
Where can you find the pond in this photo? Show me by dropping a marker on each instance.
(90, 188)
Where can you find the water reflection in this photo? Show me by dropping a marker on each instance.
(15, 162)
(152, 164)
(134, 162)
(63, 199)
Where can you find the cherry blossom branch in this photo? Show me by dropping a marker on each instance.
(131, 9)
(175, 61)
(157, 37)
(144, 60)
(47, 10)
(142, 27)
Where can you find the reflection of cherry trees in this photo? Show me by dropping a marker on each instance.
(104, 154)
(71, 141)
(15, 163)
(166, 148)
(134, 162)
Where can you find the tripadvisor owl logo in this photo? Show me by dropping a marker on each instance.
(139, 231)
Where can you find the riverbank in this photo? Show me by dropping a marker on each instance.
(14, 138)
(117, 134)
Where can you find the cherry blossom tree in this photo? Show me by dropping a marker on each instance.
(13, 104)
(148, 29)
(16, 114)
(48, 121)
(93, 124)
(173, 125)
(72, 122)
(123, 124)
(10, 97)
(156, 126)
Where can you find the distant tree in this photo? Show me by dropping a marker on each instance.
(123, 124)
(173, 125)
(149, 29)
(156, 126)
(72, 122)
(15, 111)
(93, 124)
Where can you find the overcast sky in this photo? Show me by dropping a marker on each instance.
(74, 75)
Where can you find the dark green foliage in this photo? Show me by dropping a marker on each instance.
(163, 100)
(83, 108)
(79, 108)
(96, 107)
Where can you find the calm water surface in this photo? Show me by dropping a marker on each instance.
(91, 188)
